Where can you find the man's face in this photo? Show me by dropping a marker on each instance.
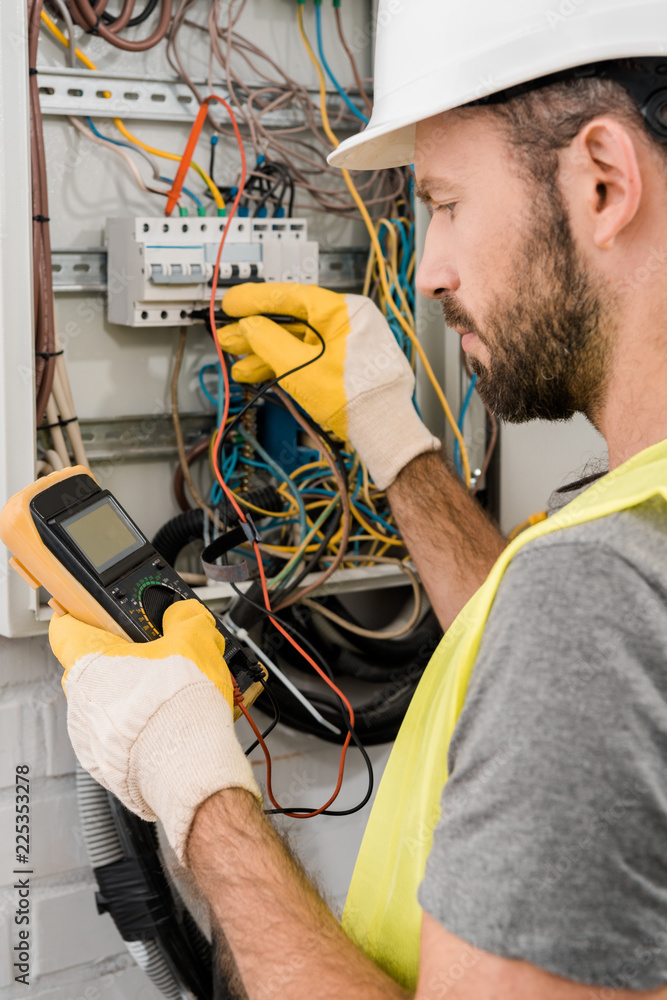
(501, 258)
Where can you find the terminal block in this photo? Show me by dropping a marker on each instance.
(160, 269)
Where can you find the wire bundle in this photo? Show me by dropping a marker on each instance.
(93, 18)
(301, 147)
(45, 343)
(325, 501)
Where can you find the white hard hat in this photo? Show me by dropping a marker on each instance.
(434, 55)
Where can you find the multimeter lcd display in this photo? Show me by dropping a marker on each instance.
(103, 534)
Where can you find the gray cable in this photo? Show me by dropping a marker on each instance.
(69, 25)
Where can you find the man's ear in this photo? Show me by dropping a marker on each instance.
(605, 177)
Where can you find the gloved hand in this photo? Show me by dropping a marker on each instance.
(152, 722)
(360, 389)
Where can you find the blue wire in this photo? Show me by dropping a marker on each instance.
(462, 414)
(127, 145)
(353, 109)
(235, 407)
(375, 517)
(208, 395)
(190, 194)
(255, 465)
(229, 466)
(322, 493)
(227, 471)
(282, 475)
(311, 477)
(114, 142)
(278, 522)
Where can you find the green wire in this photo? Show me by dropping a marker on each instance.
(279, 474)
(287, 568)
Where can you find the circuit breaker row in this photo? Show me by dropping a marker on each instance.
(161, 269)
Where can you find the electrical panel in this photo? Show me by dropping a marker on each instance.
(160, 269)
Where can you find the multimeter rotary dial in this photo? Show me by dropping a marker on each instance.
(155, 599)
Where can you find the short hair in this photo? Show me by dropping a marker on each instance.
(545, 120)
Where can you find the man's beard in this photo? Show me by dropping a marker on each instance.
(548, 343)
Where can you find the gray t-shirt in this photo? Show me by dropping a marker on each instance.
(552, 842)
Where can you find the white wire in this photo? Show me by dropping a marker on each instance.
(69, 25)
(84, 130)
(54, 459)
(71, 58)
(57, 435)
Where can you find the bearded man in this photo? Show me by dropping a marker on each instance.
(516, 848)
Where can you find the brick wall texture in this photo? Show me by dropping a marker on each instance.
(76, 954)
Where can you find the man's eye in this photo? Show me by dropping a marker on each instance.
(446, 207)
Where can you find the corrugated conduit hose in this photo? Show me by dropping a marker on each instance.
(104, 848)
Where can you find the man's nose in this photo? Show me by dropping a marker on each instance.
(437, 272)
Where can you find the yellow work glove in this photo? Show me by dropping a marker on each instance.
(152, 722)
(360, 389)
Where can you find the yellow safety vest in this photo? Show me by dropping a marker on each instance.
(382, 915)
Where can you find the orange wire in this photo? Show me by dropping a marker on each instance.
(184, 165)
(311, 661)
(185, 162)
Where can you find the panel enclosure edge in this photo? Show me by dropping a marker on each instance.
(17, 408)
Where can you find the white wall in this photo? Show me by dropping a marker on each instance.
(537, 458)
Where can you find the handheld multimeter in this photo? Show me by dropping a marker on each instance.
(74, 539)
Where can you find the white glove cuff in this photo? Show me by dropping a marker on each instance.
(180, 765)
(386, 430)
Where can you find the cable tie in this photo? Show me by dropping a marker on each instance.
(58, 423)
(48, 354)
(241, 634)
(33, 71)
(93, 30)
(249, 529)
(41, 218)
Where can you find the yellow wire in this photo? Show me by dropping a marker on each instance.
(366, 489)
(320, 464)
(369, 270)
(259, 510)
(288, 548)
(394, 265)
(374, 240)
(533, 519)
(352, 477)
(303, 547)
(82, 57)
(65, 41)
(372, 531)
(122, 128)
(362, 538)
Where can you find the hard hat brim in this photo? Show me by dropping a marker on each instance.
(375, 148)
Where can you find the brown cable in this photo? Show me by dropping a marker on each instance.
(41, 243)
(89, 18)
(100, 7)
(489, 451)
(178, 430)
(179, 479)
(91, 23)
(394, 633)
(353, 61)
(491, 447)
